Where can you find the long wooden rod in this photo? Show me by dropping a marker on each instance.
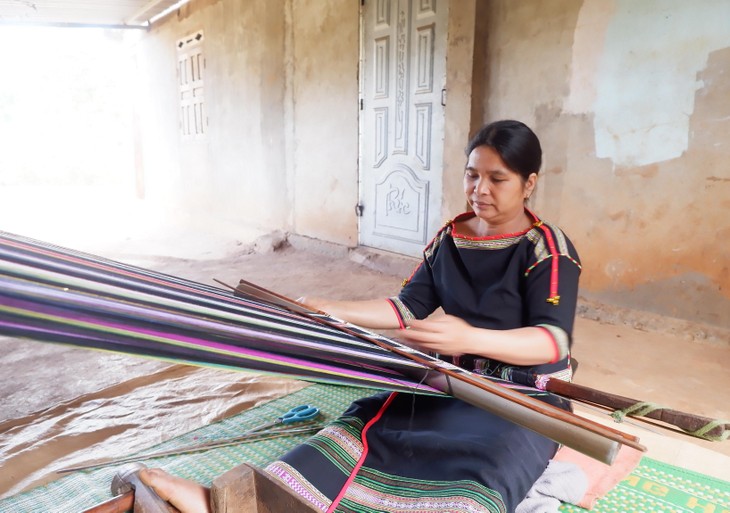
(695, 425)
(590, 438)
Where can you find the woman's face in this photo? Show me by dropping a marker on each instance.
(495, 192)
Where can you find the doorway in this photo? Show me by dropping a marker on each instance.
(403, 76)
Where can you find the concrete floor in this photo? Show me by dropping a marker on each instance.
(662, 369)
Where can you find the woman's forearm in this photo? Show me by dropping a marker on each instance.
(447, 334)
(371, 313)
(521, 346)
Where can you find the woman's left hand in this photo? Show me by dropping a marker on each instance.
(446, 335)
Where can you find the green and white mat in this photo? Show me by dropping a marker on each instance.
(653, 487)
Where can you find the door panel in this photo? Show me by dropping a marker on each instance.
(401, 130)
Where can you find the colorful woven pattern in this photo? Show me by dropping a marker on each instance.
(63, 296)
(656, 487)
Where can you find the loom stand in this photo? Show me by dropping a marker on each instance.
(247, 488)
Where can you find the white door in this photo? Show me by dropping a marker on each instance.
(402, 121)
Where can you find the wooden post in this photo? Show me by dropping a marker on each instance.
(247, 488)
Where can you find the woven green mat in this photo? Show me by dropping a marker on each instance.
(656, 487)
(653, 487)
(82, 490)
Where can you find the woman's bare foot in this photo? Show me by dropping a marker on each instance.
(187, 496)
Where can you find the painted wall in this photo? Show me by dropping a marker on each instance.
(325, 53)
(632, 103)
(281, 99)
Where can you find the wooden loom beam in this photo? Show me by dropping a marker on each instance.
(695, 425)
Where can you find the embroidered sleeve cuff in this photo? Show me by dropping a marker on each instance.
(403, 313)
(561, 341)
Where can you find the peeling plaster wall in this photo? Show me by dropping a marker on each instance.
(631, 101)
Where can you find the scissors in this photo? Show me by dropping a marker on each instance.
(301, 413)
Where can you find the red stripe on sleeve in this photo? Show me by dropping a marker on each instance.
(554, 297)
(401, 324)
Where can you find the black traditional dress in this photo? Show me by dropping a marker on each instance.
(398, 452)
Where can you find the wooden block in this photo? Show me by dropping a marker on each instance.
(248, 489)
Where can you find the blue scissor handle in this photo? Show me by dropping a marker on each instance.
(299, 414)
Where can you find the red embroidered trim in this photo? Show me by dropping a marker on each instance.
(466, 215)
(408, 280)
(555, 344)
(469, 215)
(401, 324)
(554, 297)
(364, 454)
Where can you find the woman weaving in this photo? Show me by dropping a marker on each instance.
(508, 285)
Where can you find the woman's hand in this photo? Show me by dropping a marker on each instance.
(449, 335)
(446, 335)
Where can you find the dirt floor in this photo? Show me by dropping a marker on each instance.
(62, 405)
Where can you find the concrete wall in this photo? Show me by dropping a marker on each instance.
(325, 55)
(632, 103)
(282, 104)
(462, 93)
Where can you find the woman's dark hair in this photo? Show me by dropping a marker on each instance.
(516, 144)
